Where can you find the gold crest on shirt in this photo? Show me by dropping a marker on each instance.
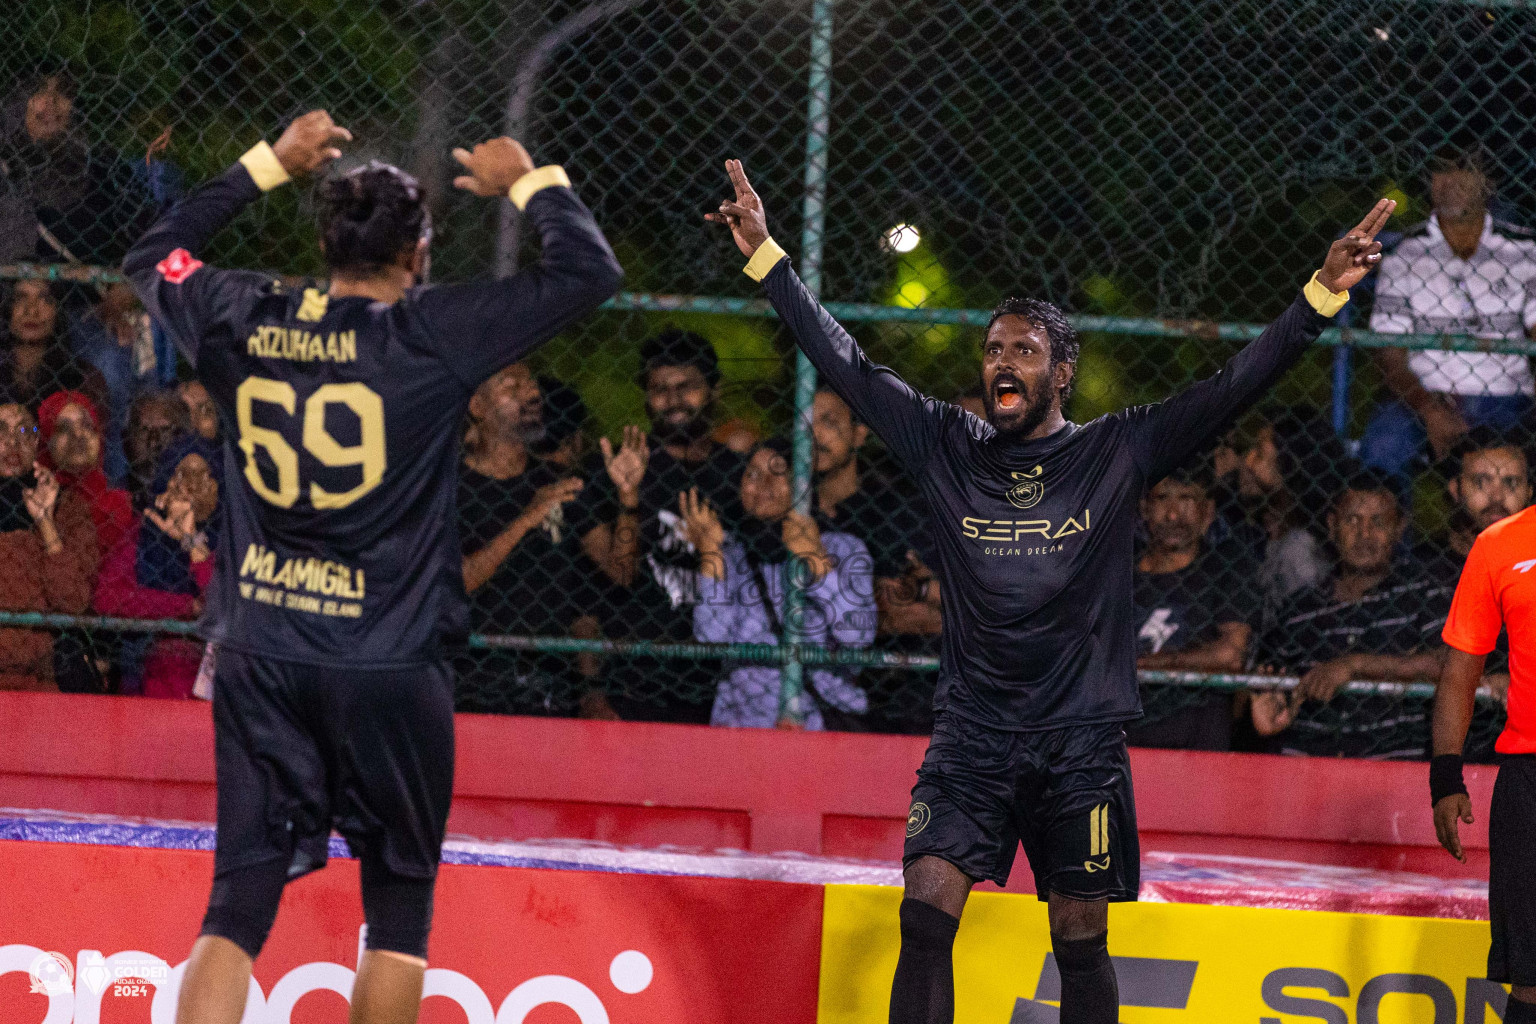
(1027, 489)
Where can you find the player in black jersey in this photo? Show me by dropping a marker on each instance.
(1033, 520)
(339, 571)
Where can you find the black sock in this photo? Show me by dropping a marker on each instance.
(924, 989)
(1089, 992)
(1518, 1011)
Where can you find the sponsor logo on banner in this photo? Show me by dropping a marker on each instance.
(1143, 982)
(51, 973)
(1175, 962)
(509, 945)
(75, 991)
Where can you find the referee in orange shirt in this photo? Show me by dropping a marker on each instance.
(1497, 590)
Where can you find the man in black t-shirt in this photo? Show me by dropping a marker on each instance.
(1373, 619)
(655, 569)
(530, 547)
(1198, 605)
(881, 509)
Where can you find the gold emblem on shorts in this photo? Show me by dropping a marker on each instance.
(1027, 490)
(1098, 839)
(917, 819)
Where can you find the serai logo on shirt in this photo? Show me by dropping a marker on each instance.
(1027, 489)
(1020, 529)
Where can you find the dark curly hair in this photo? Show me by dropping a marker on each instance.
(370, 216)
(1050, 319)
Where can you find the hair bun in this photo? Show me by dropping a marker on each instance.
(369, 217)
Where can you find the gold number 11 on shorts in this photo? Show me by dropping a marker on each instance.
(1098, 831)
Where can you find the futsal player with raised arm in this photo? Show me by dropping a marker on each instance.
(339, 572)
(1034, 520)
(1497, 592)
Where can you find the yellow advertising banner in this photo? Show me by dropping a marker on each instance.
(1176, 964)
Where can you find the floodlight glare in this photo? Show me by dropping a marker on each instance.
(901, 238)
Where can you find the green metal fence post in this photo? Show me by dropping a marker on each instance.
(818, 122)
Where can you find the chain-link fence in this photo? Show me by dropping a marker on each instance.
(1169, 173)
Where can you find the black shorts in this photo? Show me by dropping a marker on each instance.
(302, 749)
(1512, 872)
(1064, 793)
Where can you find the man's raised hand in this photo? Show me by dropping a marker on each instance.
(493, 166)
(626, 465)
(745, 215)
(309, 143)
(1353, 256)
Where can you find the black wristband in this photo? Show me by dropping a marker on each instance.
(1445, 777)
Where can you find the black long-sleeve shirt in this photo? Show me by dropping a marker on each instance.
(1034, 539)
(338, 544)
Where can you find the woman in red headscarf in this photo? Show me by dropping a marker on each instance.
(71, 434)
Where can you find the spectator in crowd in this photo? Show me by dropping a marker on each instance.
(744, 582)
(34, 358)
(48, 549)
(1199, 605)
(561, 439)
(134, 357)
(1276, 473)
(154, 420)
(157, 177)
(70, 428)
(162, 569)
(652, 562)
(62, 201)
(1490, 480)
(202, 413)
(1374, 619)
(523, 526)
(1459, 273)
(857, 498)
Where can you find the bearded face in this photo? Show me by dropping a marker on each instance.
(1019, 383)
(1493, 484)
(678, 400)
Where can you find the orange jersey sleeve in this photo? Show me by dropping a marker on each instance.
(1476, 616)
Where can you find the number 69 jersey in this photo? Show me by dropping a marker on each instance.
(342, 419)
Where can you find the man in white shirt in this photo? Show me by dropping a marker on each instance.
(1461, 272)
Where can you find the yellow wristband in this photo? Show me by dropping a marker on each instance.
(1321, 299)
(765, 259)
(262, 165)
(536, 180)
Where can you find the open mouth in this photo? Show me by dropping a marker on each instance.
(1007, 395)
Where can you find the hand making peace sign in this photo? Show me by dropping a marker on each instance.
(1353, 256)
(745, 218)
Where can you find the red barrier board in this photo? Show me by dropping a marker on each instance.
(766, 790)
(509, 945)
